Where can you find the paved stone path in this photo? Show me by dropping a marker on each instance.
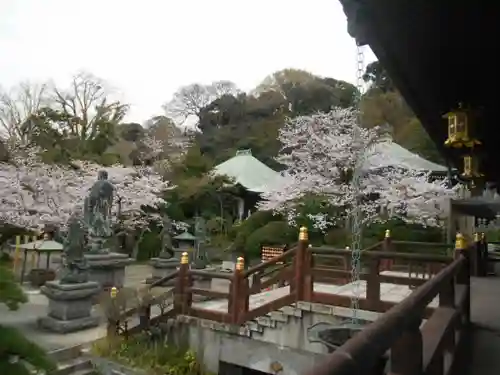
(26, 317)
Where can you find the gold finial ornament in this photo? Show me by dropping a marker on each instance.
(240, 264)
(458, 129)
(483, 237)
(460, 243)
(477, 237)
(387, 233)
(303, 236)
(185, 258)
(113, 292)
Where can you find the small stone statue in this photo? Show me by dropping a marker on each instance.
(75, 268)
(167, 250)
(97, 212)
(200, 258)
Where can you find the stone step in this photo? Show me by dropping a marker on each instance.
(90, 371)
(75, 365)
(66, 354)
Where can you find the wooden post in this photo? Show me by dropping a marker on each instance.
(256, 282)
(309, 277)
(373, 283)
(485, 262)
(180, 300)
(300, 259)
(386, 264)
(475, 253)
(463, 277)
(447, 294)
(406, 352)
(239, 293)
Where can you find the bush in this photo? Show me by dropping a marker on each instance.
(273, 233)
(15, 349)
(143, 353)
(150, 245)
(400, 231)
(241, 231)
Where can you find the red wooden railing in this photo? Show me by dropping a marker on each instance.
(416, 349)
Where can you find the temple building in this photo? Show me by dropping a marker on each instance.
(250, 176)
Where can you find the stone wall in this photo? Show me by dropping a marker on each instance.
(277, 339)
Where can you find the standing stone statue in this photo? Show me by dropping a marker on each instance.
(75, 267)
(97, 213)
(167, 250)
(200, 258)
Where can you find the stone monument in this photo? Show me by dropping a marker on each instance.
(70, 297)
(105, 267)
(166, 262)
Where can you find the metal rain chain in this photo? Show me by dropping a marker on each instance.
(356, 213)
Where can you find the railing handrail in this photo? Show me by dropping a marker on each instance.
(361, 352)
(270, 262)
(385, 255)
(400, 321)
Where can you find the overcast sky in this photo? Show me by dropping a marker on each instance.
(148, 48)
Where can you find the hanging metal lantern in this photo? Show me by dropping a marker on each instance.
(471, 168)
(458, 130)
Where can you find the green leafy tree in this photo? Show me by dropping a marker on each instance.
(80, 121)
(384, 105)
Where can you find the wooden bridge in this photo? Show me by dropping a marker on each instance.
(428, 332)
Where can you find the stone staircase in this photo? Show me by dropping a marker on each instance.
(287, 325)
(72, 361)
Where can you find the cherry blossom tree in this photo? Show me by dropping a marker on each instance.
(35, 193)
(321, 156)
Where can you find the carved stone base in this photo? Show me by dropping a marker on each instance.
(161, 268)
(107, 269)
(70, 306)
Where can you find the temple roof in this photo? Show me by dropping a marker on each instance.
(390, 154)
(248, 171)
(185, 236)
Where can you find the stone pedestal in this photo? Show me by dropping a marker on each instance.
(107, 269)
(162, 267)
(70, 306)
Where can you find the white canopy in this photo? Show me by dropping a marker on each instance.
(42, 245)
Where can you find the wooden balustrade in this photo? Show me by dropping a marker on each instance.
(416, 348)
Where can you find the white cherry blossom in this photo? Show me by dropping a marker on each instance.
(35, 193)
(320, 155)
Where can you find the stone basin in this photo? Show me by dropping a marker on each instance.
(334, 336)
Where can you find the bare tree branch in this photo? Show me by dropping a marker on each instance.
(190, 100)
(17, 105)
(86, 105)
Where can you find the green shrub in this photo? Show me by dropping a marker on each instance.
(241, 231)
(273, 233)
(150, 245)
(12, 343)
(400, 231)
(154, 357)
